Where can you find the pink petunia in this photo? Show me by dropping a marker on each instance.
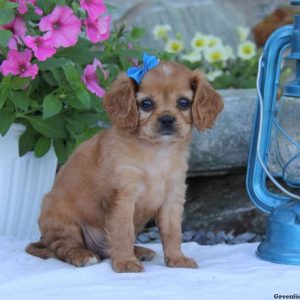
(98, 30)
(22, 8)
(94, 8)
(62, 27)
(38, 11)
(18, 28)
(18, 63)
(90, 78)
(41, 47)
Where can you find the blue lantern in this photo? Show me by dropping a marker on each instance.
(275, 147)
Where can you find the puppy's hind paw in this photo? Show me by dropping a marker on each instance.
(181, 262)
(143, 254)
(128, 266)
(82, 258)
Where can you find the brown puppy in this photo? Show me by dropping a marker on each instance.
(123, 177)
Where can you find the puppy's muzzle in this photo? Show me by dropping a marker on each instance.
(166, 124)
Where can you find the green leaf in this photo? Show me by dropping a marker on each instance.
(79, 54)
(31, 15)
(137, 33)
(26, 142)
(58, 75)
(42, 146)
(60, 150)
(51, 106)
(113, 72)
(96, 103)
(46, 6)
(70, 147)
(51, 63)
(78, 121)
(6, 119)
(48, 77)
(19, 83)
(53, 127)
(20, 100)
(89, 119)
(9, 5)
(74, 102)
(4, 90)
(34, 104)
(71, 74)
(5, 35)
(6, 15)
(100, 76)
(83, 96)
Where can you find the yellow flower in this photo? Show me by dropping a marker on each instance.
(214, 41)
(174, 46)
(192, 57)
(214, 74)
(216, 54)
(243, 33)
(161, 31)
(246, 50)
(199, 41)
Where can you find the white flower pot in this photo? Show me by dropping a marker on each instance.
(23, 183)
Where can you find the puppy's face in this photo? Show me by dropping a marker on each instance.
(164, 101)
(163, 108)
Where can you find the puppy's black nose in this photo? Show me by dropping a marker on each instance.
(167, 121)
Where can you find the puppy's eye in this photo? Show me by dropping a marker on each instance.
(183, 103)
(147, 105)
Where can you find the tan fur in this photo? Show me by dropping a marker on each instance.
(123, 177)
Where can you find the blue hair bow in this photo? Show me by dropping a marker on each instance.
(137, 73)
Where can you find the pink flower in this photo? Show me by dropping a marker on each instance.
(38, 11)
(22, 8)
(62, 27)
(18, 29)
(41, 47)
(18, 63)
(91, 80)
(98, 30)
(94, 8)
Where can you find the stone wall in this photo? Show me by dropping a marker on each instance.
(216, 17)
(226, 145)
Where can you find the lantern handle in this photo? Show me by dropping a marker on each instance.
(260, 98)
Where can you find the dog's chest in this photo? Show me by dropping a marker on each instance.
(157, 182)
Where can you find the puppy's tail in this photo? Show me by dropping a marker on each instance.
(39, 249)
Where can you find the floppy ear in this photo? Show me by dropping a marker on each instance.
(207, 103)
(120, 103)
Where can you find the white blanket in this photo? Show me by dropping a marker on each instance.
(226, 272)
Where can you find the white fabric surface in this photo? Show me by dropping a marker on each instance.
(226, 272)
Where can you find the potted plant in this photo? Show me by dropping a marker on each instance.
(56, 60)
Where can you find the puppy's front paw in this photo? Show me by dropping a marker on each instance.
(128, 266)
(180, 262)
